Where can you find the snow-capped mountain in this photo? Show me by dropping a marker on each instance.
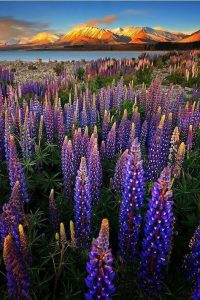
(194, 37)
(94, 36)
(147, 34)
(90, 35)
(41, 38)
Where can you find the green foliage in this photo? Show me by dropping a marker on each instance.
(144, 75)
(80, 73)
(59, 68)
(175, 78)
(178, 78)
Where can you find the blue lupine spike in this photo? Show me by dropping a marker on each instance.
(99, 267)
(132, 200)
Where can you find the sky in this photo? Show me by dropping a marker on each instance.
(24, 19)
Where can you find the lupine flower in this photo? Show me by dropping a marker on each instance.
(92, 142)
(119, 174)
(192, 264)
(24, 247)
(85, 142)
(190, 138)
(165, 144)
(123, 132)
(63, 237)
(111, 143)
(1, 137)
(72, 234)
(84, 120)
(156, 245)
(174, 144)
(49, 122)
(95, 174)
(131, 135)
(82, 206)
(93, 117)
(179, 160)
(17, 202)
(77, 149)
(9, 221)
(132, 200)
(143, 135)
(16, 172)
(106, 125)
(155, 152)
(54, 215)
(100, 272)
(67, 158)
(136, 120)
(18, 281)
(103, 150)
(60, 128)
(27, 142)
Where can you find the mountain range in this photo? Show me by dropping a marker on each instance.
(95, 37)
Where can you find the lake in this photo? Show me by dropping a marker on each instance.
(12, 55)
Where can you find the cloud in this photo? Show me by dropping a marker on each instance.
(98, 21)
(160, 28)
(12, 30)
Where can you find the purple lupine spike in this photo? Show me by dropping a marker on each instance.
(192, 264)
(131, 135)
(93, 117)
(111, 143)
(105, 125)
(95, 132)
(77, 148)
(156, 245)
(60, 128)
(54, 215)
(2, 130)
(7, 137)
(49, 122)
(123, 133)
(119, 175)
(143, 135)
(103, 150)
(166, 137)
(99, 267)
(132, 200)
(136, 120)
(18, 281)
(95, 174)
(16, 171)
(82, 207)
(27, 142)
(153, 124)
(67, 158)
(90, 146)
(84, 117)
(154, 154)
(17, 202)
(69, 112)
(85, 142)
(9, 221)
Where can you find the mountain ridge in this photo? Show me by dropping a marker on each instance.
(95, 36)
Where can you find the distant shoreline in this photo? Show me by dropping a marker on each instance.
(161, 46)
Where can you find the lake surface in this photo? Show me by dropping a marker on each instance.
(67, 55)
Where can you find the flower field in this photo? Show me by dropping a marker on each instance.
(100, 181)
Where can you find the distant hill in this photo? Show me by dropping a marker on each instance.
(94, 38)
